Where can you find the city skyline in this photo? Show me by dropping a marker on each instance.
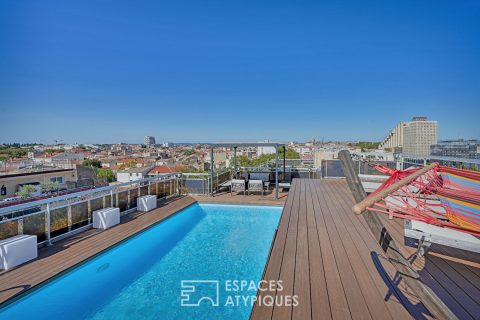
(186, 72)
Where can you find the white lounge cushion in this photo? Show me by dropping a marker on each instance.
(17, 250)
(106, 218)
(146, 203)
(255, 185)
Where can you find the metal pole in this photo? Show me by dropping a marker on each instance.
(234, 162)
(284, 157)
(211, 171)
(276, 172)
(47, 212)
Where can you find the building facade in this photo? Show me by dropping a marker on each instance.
(149, 141)
(419, 135)
(468, 149)
(413, 137)
(394, 139)
(12, 183)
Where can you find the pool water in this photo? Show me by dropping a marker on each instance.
(142, 277)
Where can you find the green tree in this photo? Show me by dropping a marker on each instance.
(291, 154)
(50, 187)
(26, 191)
(52, 151)
(366, 145)
(106, 173)
(94, 163)
(243, 161)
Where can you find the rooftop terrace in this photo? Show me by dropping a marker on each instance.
(321, 251)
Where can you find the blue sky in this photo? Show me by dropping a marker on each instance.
(111, 71)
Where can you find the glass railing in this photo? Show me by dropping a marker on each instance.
(58, 217)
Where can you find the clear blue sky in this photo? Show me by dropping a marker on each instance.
(111, 71)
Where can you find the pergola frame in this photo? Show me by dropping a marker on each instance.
(247, 144)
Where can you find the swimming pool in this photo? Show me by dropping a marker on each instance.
(205, 251)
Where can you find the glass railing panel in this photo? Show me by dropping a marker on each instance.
(58, 221)
(144, 190)
(122, 200)
(8, 229)
(97, 204)
(108, 201)
(80, 215)
(35, 225)
(133, 198)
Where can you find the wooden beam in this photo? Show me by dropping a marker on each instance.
(361, 206)
(430, 300)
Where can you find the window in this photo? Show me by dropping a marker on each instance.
(57, 179)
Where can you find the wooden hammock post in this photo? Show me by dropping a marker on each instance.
(361, 206)
(430, 300)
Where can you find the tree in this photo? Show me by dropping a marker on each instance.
(50, 187)
(94, 163)
(366, 145)
(26, 191)
(106, 173)
(243, 161)
(291, 154)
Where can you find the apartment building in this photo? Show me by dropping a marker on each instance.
(394, 139)
(419, 135)
(413, 137)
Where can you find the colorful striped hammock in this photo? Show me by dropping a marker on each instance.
(443, 196)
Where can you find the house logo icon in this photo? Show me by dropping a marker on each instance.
(196, 292)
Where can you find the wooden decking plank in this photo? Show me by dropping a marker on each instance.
(465, 286)
(272, 267)
(427, 272)
(287, 269)
(468, 259)
(413, 304)
(355, 297)
(409, 299)
(302, 263)
(460, 265)
(338, 301)
(320, 304)
(347, 226)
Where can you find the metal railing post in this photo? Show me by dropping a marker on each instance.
(48, 226)
(69, 218)
(20, 226)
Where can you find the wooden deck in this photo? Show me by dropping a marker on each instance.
(454, 275)
(71, 251)
(329, 258)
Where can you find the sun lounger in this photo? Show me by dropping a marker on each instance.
(255, 185)
(237, 186)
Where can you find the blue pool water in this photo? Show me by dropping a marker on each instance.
(142, 277)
